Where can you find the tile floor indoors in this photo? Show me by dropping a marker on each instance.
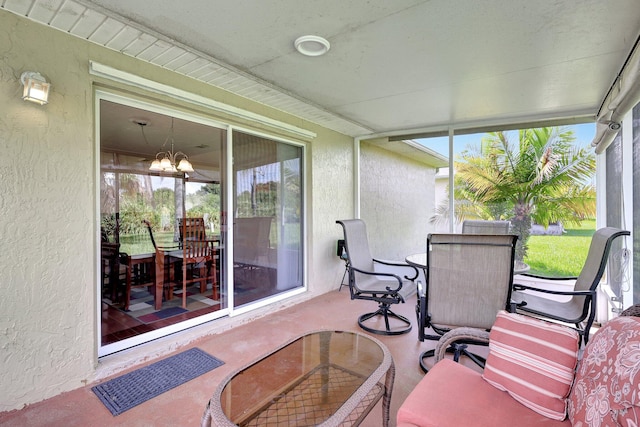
(184, 405)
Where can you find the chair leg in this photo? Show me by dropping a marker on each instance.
(184, 285)
(346, 270)
(386, 313)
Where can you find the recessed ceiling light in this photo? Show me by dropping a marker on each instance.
(312, 45)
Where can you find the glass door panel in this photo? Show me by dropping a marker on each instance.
(142, 252)
(267, 256)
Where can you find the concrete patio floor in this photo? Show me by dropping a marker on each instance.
(184, 405)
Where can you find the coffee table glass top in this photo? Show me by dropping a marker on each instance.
(306, 381)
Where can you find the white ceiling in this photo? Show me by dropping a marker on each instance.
(394, 66)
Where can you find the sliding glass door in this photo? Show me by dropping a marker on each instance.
(166, 231)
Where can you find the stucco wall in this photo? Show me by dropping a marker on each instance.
(397, 200)
(48, 218)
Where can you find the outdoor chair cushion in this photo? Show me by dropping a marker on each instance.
(534, 361)
(606, 391)
(453, 395)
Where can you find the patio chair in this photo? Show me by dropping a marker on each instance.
(579, 309)
(367, 281)
(468, 281)
(471, 226)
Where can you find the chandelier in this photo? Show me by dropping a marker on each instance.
(166, 161)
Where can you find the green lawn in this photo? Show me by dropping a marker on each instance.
(560, 256)
(134, 244)
(555, 256)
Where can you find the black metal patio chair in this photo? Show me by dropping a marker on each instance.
(579, 309)
(368, 282)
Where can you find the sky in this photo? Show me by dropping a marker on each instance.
(584, 134)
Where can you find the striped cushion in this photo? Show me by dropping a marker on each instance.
(534, 361)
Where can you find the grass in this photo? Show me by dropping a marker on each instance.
(555, 256)
(560, 256)
(134, 244)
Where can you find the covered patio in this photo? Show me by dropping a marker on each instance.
(237, 347)
(396, 72)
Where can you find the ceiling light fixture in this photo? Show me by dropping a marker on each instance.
(36, 88)
(166, 160)
(312, 45)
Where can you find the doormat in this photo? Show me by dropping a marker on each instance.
(123, 393)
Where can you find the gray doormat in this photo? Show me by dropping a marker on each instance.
(123, 393)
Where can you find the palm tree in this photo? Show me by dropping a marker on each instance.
(543, 177)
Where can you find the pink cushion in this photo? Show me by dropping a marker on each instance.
(607, 385)
(452, 395)
(534, 361)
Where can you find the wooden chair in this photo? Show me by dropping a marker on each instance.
(141, 272)
(196, 256)
(110, 269)
(198, 266)
(162, 273)
(191, 229)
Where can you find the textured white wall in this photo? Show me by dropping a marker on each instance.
(47, 312)
(48, 315)
(397, 200)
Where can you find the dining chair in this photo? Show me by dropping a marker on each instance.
(196, 258)
(191, 229)
(141, 272)
(165, 266)
(472, 226)
(198, 266)
(110, 268)
(468, 280)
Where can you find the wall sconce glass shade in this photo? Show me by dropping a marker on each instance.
(36, 88)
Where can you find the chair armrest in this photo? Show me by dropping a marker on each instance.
(536, 276)
(400, 265)
(378, 273)
(520, 287)
(466, 335)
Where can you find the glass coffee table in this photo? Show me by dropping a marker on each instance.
(324, 378)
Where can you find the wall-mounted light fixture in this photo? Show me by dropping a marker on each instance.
(36, 88)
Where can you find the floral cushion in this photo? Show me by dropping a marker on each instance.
(534, 361)
(606, 391)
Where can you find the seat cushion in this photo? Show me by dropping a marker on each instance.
(452, 394)
(607, 384)
(534, 361)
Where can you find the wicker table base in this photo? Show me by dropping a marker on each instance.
(339, 377)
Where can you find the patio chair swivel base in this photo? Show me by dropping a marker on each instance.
(385, 311)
